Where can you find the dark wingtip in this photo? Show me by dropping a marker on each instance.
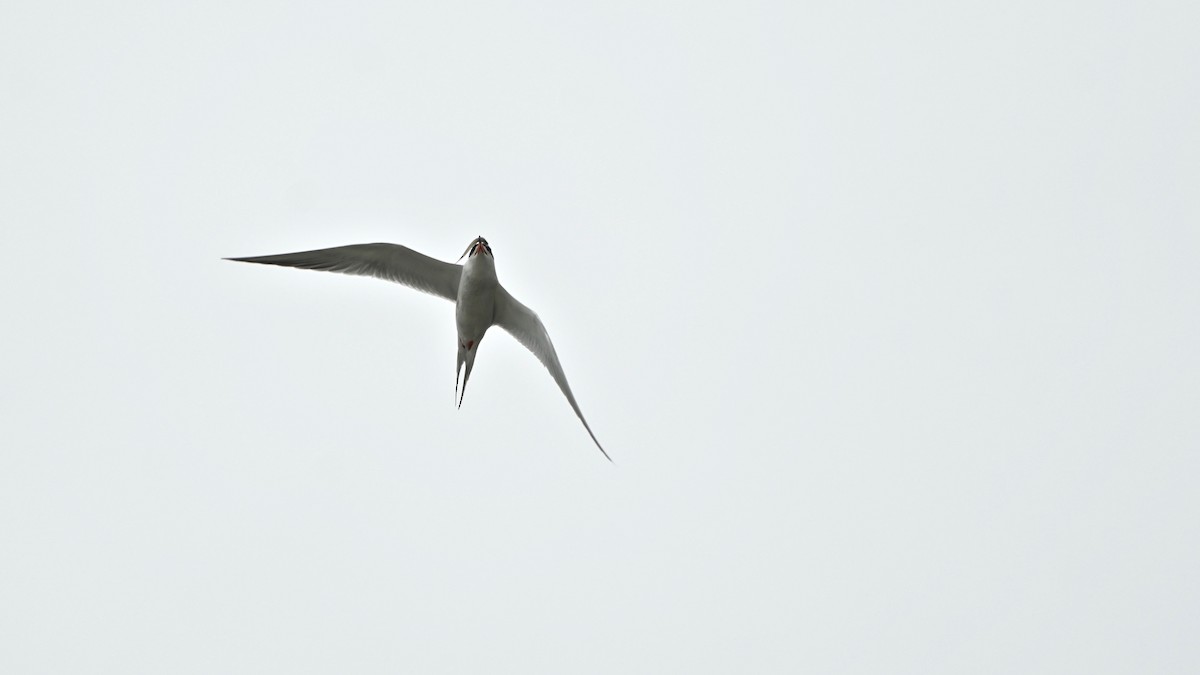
(594, 440)
(260, 259)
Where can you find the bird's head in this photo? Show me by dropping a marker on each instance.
(479, 246)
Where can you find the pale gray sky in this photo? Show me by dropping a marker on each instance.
(886, 313)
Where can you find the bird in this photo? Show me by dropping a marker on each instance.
(480, 301)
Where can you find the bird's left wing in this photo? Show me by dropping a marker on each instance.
(527, 328)
(390, 262)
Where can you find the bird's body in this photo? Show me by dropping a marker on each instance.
(480, 301)
(474, 311)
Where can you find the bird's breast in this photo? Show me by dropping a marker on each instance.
(476, 304)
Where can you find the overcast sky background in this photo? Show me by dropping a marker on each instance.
(887, 315)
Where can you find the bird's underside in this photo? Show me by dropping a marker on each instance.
(480, 300)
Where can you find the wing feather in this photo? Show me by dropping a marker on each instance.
(390, 262)
(523, 324)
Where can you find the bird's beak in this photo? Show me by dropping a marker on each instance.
(473, 248)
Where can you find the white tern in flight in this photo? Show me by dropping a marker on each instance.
(480, 301)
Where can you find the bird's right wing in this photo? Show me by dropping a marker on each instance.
(390, 262)
(527, 328)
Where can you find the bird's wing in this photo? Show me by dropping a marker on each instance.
(527, 328)
(391, 262)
